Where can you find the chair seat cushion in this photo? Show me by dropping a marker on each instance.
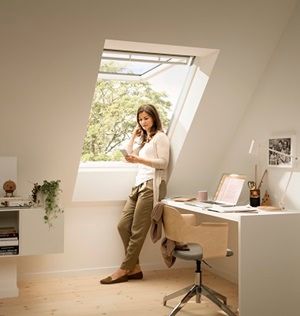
(194, 252)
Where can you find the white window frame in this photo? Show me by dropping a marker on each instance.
(111, 180)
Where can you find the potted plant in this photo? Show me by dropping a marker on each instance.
(47, 195)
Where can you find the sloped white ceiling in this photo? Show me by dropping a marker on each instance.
(50, 55)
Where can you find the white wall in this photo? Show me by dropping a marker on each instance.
(49, 59)
(91, 244)
(274, 110)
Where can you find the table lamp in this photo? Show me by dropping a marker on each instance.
(281, 202)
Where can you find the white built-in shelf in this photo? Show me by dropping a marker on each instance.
(35, 238)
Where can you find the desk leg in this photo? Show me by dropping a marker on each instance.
(269, 261)
(8, 277)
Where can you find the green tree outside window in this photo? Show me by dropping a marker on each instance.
(113, 116)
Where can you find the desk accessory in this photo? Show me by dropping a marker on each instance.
(9, 187)
(233, 209)
(255, 197)
(266, 200)
(255, 189)
(202, 196)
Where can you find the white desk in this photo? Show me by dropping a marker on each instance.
(268, 260)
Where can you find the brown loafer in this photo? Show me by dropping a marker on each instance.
(136, 276)
(109, 280)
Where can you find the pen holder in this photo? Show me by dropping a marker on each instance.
(255, 197)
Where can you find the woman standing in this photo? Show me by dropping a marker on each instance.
(152, 157)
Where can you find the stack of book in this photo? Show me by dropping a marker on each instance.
(9, 241)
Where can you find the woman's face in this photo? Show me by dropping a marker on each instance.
(146, 121)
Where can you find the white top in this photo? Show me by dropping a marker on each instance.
(157, 151)
(144, 172)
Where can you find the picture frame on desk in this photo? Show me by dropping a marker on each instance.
(285, 144)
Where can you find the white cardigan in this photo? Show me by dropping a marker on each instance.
(161, 150)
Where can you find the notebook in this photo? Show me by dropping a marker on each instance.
(228, 191)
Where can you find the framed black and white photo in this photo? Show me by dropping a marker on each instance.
(280, 150)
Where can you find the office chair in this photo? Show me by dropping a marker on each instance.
(207, 240)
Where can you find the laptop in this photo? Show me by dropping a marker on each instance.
(227, 194)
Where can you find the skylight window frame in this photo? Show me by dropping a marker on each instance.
(135, 56)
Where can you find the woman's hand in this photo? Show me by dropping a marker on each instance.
(137, 132)
(138, 159)
(133, 159)
(130, 146)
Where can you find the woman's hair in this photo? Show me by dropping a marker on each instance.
(157, 126)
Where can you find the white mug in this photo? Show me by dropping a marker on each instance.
(202, 196)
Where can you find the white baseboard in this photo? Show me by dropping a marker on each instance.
(227, 275)
(99, 270)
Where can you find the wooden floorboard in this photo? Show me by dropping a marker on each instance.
(82, 295)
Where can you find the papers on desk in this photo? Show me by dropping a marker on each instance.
(222, 208)
(232, 209)
(206, 204)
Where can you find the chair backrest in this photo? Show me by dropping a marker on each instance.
(212, 236)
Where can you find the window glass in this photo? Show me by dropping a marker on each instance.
(116, 98)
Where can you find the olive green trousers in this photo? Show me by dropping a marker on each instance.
(135, 221)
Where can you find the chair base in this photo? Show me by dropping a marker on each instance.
(198, 290)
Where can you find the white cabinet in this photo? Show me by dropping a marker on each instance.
(35, 238)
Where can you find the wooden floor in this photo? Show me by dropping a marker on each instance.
(84, 296)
